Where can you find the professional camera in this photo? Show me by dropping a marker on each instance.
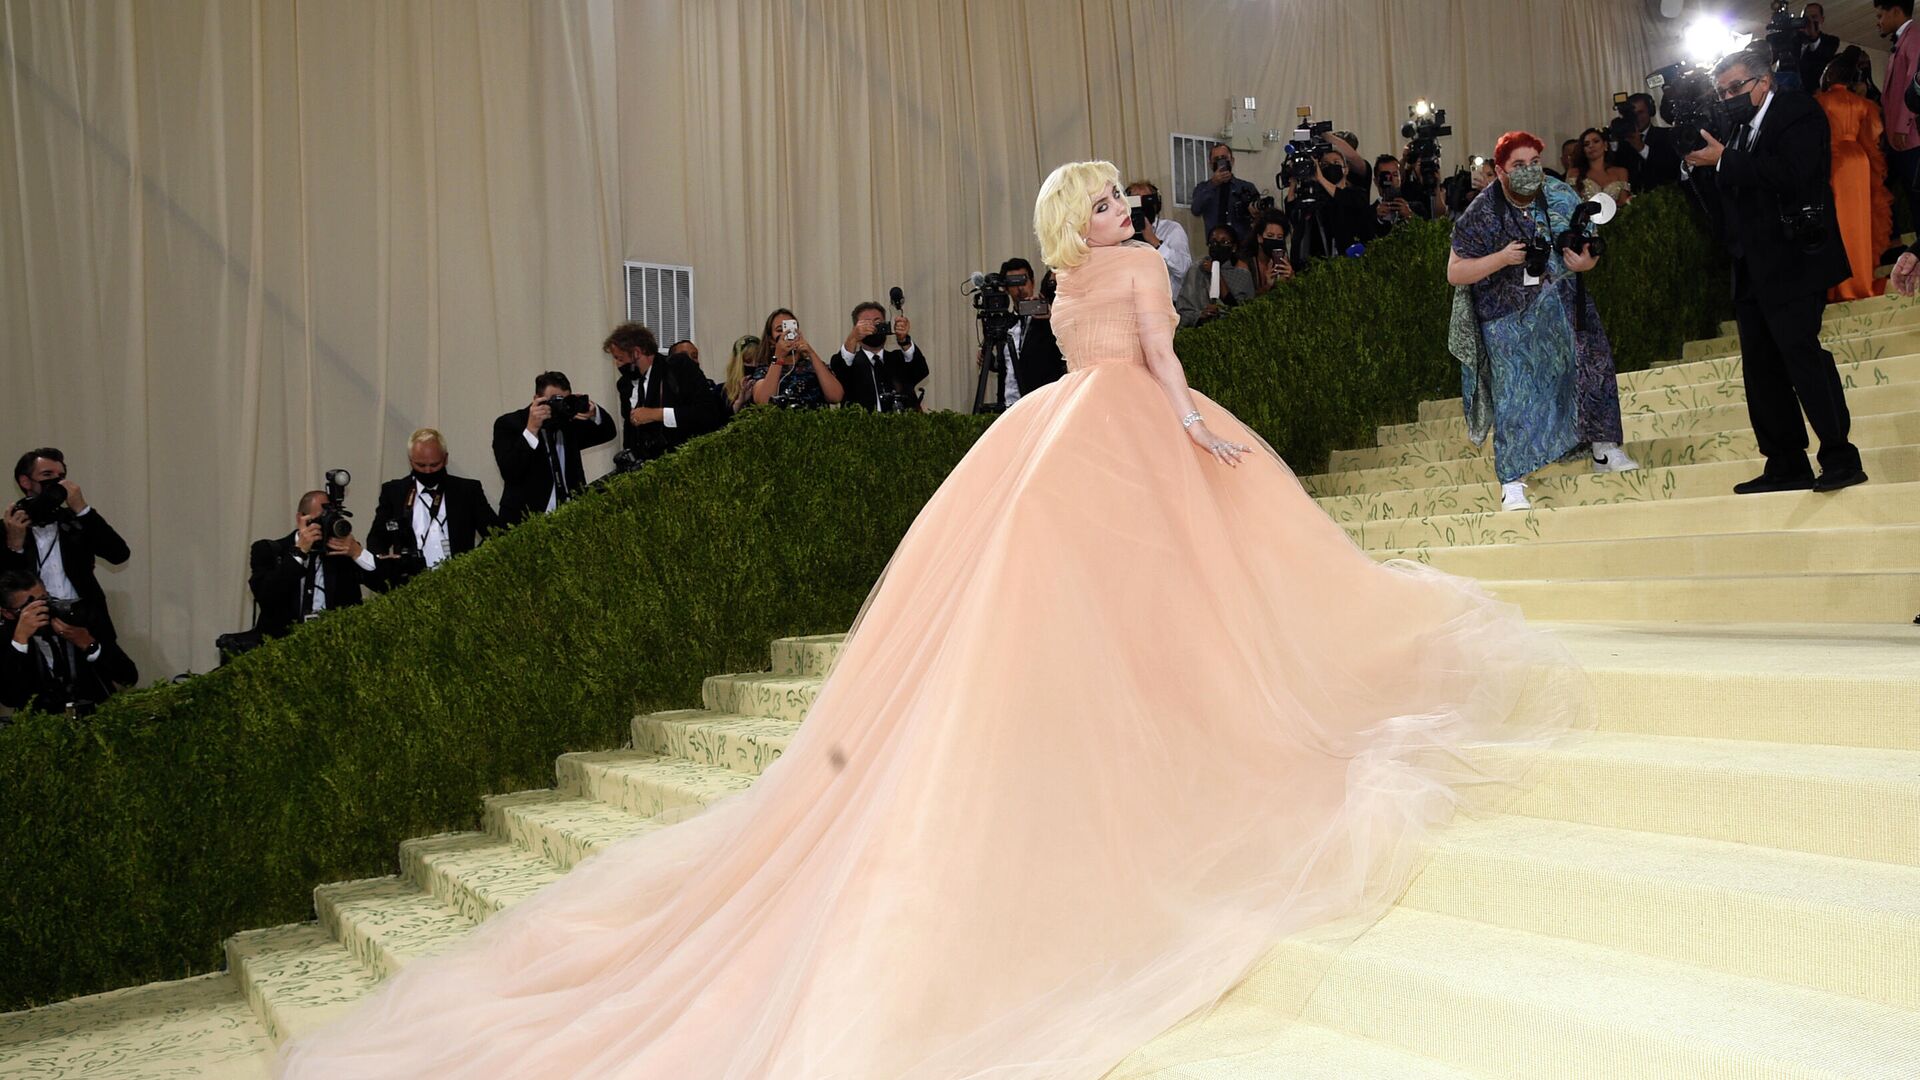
(1625, 121)
(1144, 208)
(1785, 32)
(335, 518)
(1578, 237)
(1425, 124)
(1689, 104)
(895, 400)
(1538, 249)
(1302, 164)
(563, 407)
(1805, 226)
(995, 310)
(46, 507)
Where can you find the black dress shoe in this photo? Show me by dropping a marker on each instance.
(1835, 479)
(1764, 483)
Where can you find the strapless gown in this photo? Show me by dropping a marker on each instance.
(1115, 718)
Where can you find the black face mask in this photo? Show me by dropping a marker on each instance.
(1334, 173)
(1220, 252)
(429, 480)
(1739, 110)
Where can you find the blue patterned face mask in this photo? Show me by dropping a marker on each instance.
(1527, 179)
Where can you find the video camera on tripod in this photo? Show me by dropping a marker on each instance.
(997, 313)
(1425, 125)
(1301, 169)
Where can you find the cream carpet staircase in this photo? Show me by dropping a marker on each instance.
(1721, 881)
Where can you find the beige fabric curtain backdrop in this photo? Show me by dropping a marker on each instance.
(246, 241)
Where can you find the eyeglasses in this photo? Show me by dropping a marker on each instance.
(1733, 89)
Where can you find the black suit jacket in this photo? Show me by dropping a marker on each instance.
(676, 383)
(25, 676)
(1788, 166)
(862, 382)
(83, 539)
(1037, 361)
(1814, 61)
(524, 473)
(278, 568)
(465, 509)
(1660, 166)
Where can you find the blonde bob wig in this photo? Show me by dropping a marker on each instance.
(1065, 207)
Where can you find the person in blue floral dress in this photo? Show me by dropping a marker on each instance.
(1536, 365)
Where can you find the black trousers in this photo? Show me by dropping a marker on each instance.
(1787, 372)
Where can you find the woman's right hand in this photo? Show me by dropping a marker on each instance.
(1228, 452)
(1513, 254)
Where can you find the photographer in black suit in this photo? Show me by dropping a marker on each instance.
(298, 576)
(56, 535)
(664, 400)
(58, 663)
(538, 448)
(867, 368)
(1036, 355)
(426, 516)
(1775, 198)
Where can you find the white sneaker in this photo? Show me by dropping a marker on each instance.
(1608, 457)
(1513, 496)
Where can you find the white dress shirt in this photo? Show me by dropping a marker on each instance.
(1011, 384)
(560, 452)
(1174, 249)
(364, 561)
(639, 395)
(873, 362)
(52, 566)
(428, 530)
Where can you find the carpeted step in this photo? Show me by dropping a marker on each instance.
(1887, 308)
(1835, 685)
(201, 1028)
(645, 784)
(1725, 411)
(1881, 548)
(1887, 596)
(1844, 801)
(476, 874)
(1869, 505)
(1841, 925)
(1251, 1044)
(756, 693)
(1898, 336)
(557, 826)
(1891, 465)
(385, 923)
(1868, 429)
(720, 738)
(1509, 1003)
(797, 655)
(1648, 385)
(296, 978)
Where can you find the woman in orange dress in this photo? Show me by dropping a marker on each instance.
(1860, 197)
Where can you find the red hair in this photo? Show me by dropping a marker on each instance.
(1512, 143)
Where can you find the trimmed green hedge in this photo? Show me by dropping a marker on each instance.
(135, 841)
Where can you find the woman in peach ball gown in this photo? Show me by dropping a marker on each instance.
(1124, 709)
(1861, 201)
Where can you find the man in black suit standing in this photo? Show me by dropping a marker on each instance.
(427, 515)
(866, 367)
(1817, 49)
(1036, 355)
(1785, 259)
(664, 400)
(300, 575)
(56, 535)
(538, 452)
(57, 664)
(1648, 152)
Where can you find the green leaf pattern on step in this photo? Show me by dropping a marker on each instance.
(386, 922)
(289, 971)
(162, 1031)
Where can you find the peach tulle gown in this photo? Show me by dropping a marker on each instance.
(1116, 717)
(1861, 200)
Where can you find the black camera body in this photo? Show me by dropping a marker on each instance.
(1625, 121)
(1538, 250)
(1805, 226)
(562, 408)
(1784, 33)
(1423, 149)
(336, 521)
(47, 507)
(1689, 104)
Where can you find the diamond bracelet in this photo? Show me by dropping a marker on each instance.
(1190, 419)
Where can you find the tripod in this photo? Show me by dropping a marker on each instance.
(996, 345)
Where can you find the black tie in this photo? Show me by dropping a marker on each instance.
(556, 466)
(306, 583)
(60, 662)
